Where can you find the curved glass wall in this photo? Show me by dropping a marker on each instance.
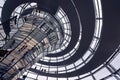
(86, 57)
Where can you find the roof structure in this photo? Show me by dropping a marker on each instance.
(59, 40)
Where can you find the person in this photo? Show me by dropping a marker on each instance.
(10, 64)
(15, 19)
(8, 29)
(7, 37)
(3, 52)
(24, 76)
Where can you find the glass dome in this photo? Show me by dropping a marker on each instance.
(78, 42)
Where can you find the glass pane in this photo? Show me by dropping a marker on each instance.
(102, 73)
(116, 62)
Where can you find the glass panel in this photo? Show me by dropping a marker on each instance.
(32, 75)
(99, 75)
(52, 78)
(42, 77)
(116, 62)
(73, 78)
(111, 78)
(88, 78)
(62, 78)
(29, 78)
